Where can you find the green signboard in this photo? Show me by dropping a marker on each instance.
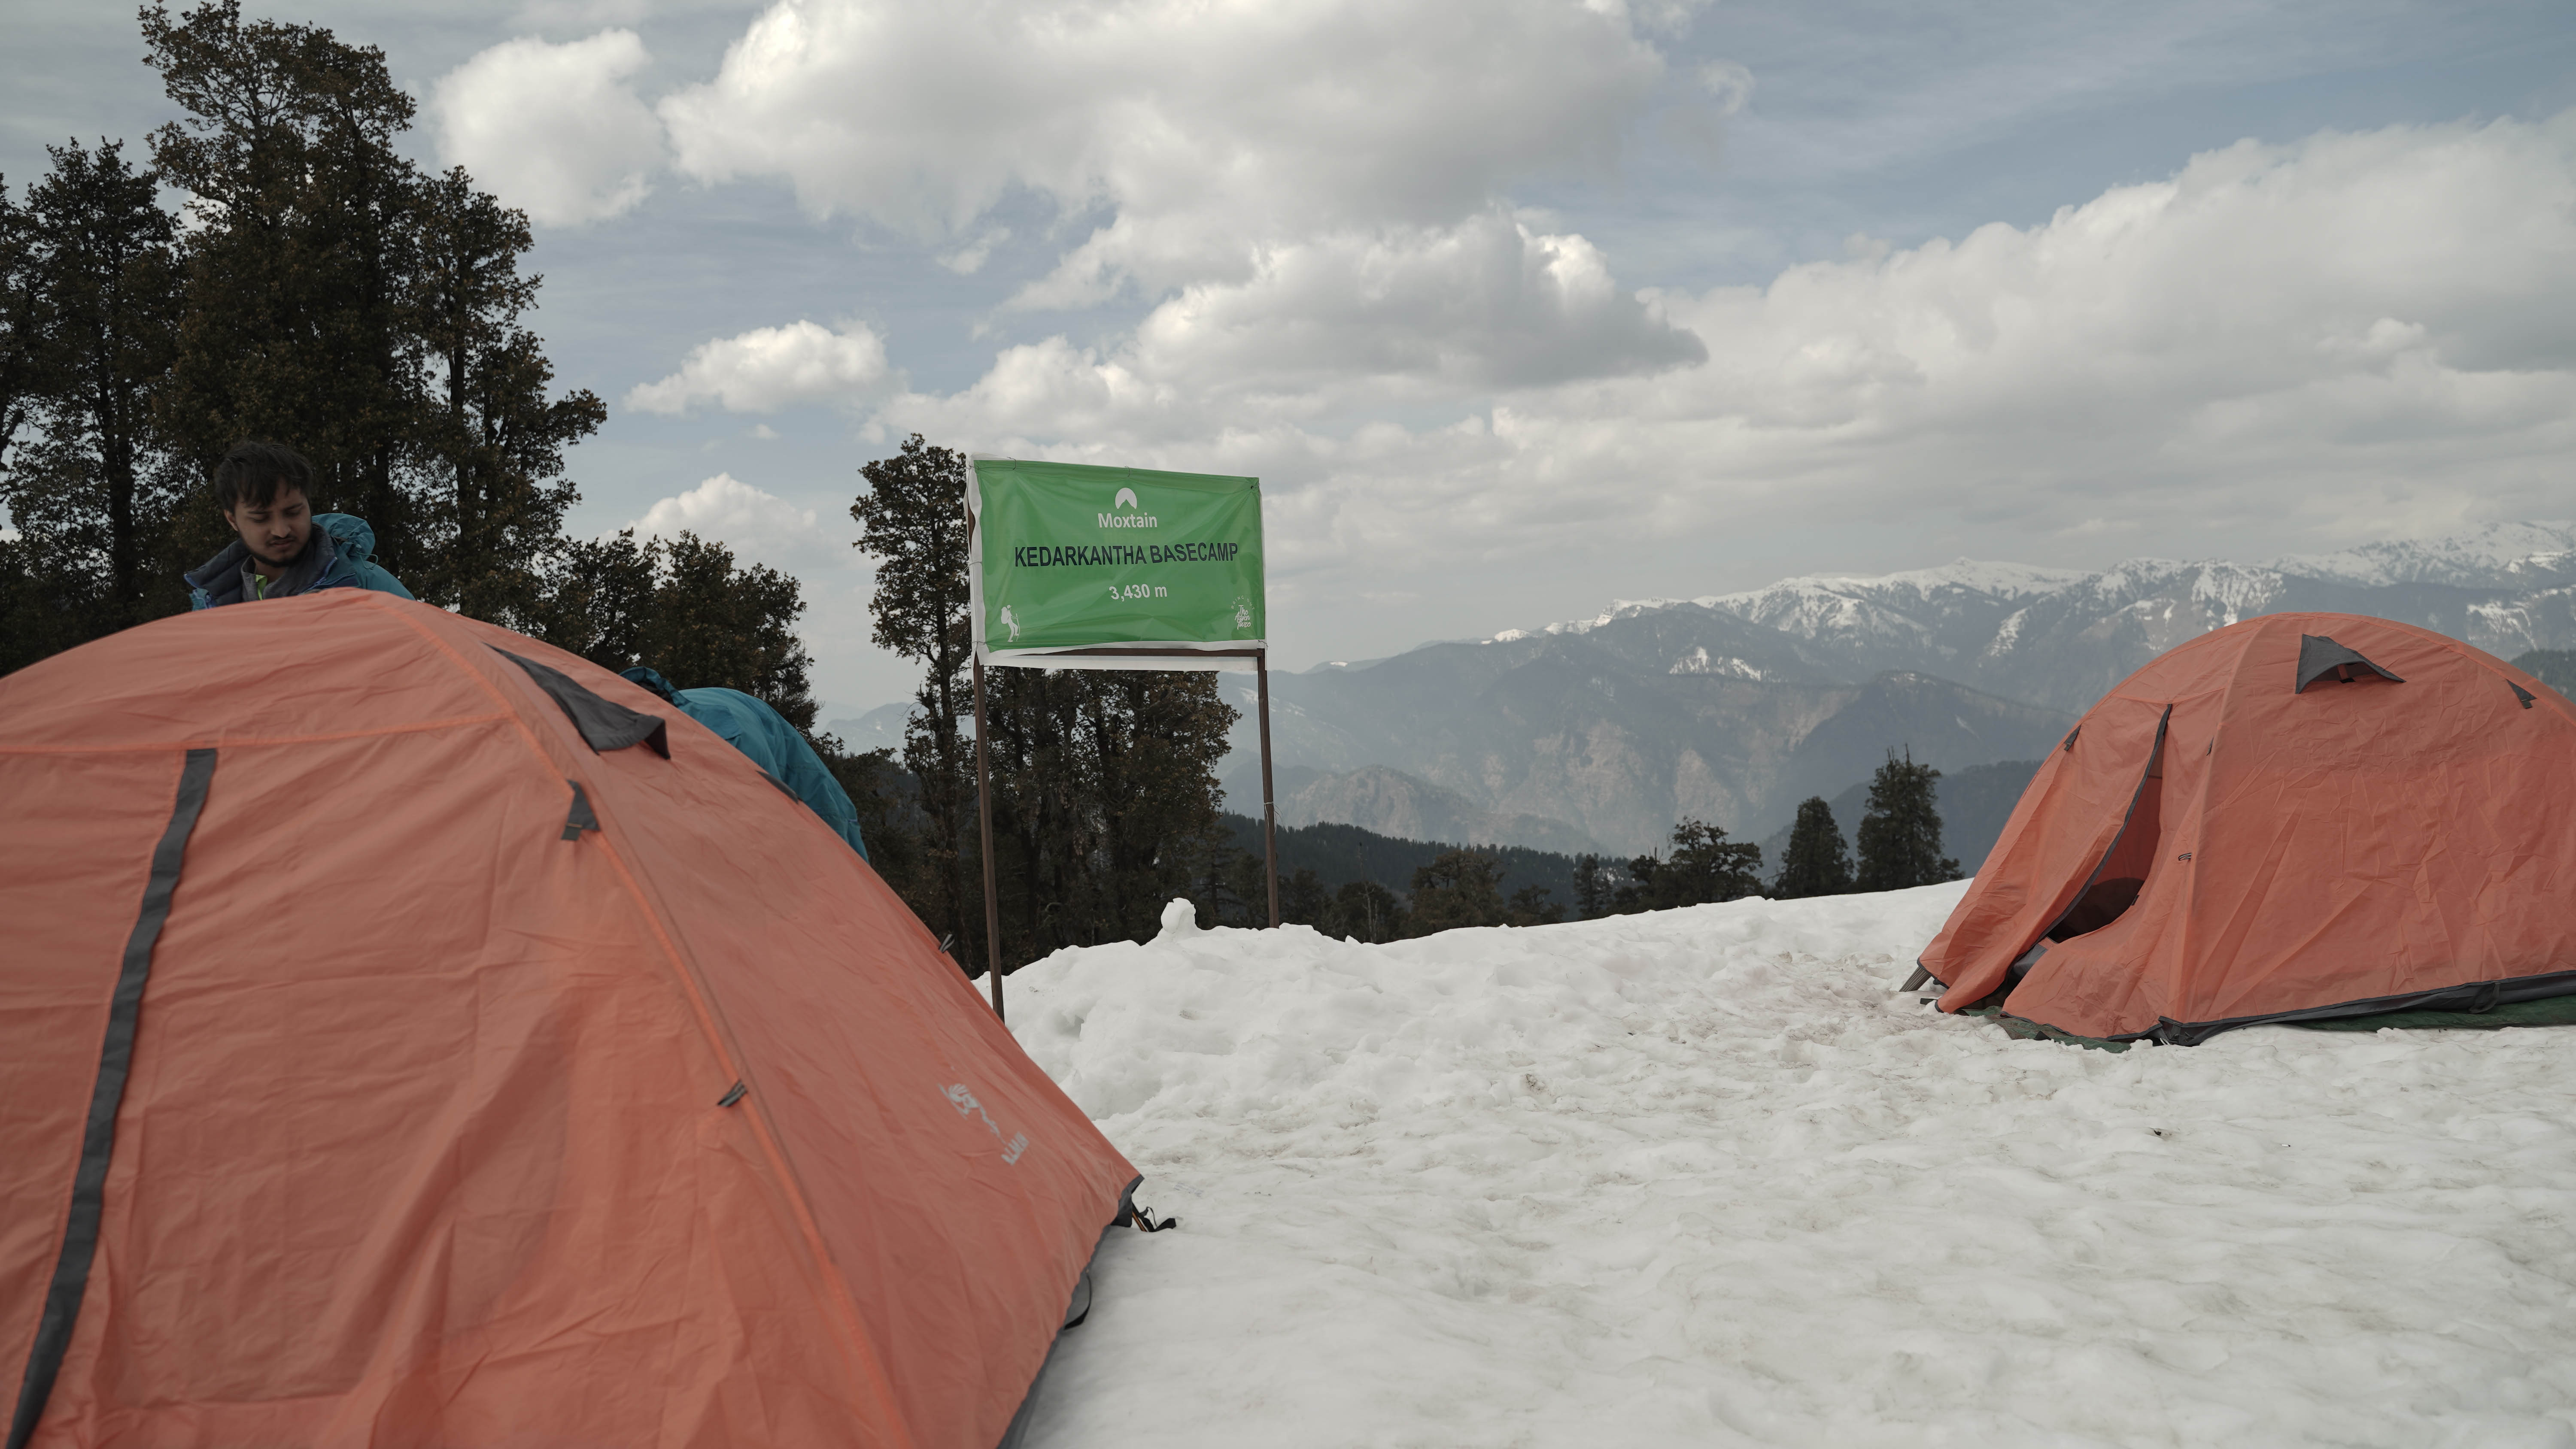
(1066, 557)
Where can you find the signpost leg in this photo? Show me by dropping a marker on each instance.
(1269, 811)
(984, 817)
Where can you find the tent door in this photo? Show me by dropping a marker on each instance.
(2121, 874)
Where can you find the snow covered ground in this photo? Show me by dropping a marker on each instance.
(1702, 1178)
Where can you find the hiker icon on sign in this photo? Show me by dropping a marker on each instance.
(1011, 624)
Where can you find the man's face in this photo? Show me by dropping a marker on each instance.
(275, 532)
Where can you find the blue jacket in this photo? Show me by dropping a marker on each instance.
(772, 743)
(341, 555)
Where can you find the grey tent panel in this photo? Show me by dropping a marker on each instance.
(581, 817)
(604, 723)
(2320, 656)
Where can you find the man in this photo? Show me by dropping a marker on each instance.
(282, 548)
(771, 742)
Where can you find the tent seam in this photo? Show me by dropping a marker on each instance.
(858, 1343)
(254, 741)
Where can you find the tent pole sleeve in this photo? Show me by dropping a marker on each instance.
(984, 818)
(1269, 811)
(107, 1094)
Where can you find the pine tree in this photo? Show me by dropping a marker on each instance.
(300, 269)
(912, 522)
(1704, 867)
(1304, 899)
(1900, 835)
(1154, 743)
(1816, 863)
(1458, 888)
(339, 301)
(90, 489)
(18, 297)
(1368, 912)
(1592, 888)
(1530, 906)
(490, 442)
(686, 607)
(889, 811)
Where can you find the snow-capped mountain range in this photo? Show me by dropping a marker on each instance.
(2059, 637)
(1733, 707)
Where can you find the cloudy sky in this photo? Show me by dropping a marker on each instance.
(1518, 306)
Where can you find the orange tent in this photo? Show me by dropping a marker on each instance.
(411, 1034)
(2300, 817)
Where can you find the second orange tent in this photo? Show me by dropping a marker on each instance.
(2299, 817)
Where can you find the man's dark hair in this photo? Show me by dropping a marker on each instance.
(254, 472)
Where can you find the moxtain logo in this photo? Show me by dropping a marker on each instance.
(1137, 518)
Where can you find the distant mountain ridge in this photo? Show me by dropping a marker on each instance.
(1733, 707)
(2061, 637)
(1604, 732)
(1409, 808)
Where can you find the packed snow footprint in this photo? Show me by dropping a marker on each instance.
(1701, 1177)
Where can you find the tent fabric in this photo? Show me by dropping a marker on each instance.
(2399, 840)
(446, 1124)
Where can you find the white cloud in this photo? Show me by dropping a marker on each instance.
(1487, 303)
(1730, 82)
(1203, 129)
(2349, 337)
(554, 129)
(757, 524)
(771, 368)
(969, 259)
(1434, 315)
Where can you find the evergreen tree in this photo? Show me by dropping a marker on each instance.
(1043, 838)
(1225, 881)
(38, 607)
(912, 522)
(369, 316)
(1530, 906)
(683, 606)
(1593, 887)
(89, 488)
(300, 269)
(1900, 834)
(490, 442)
(1368, 912)
(1458, 888)
(1154, 741)
(1105, 801)
(889, 814)
(18, 297)
(1303, 899)
(716, 622)
(1704, 867)
(1816, 863)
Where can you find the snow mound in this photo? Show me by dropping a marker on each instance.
(1703, 1178)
